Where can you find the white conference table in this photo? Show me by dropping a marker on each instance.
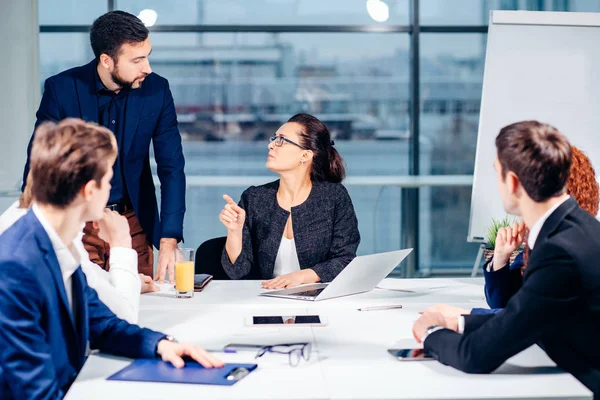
(349, 357)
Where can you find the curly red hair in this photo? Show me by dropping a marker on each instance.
(582, 184)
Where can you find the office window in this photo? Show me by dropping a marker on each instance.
(270, 12)
(70, 12)
(451, 81)
(580, 5)
(233, 91)
(61, 51)
(476, 12)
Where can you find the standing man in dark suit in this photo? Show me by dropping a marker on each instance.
(558, 305)
(48, 313)
(119, 91)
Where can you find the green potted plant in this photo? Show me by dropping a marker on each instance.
(496, 224)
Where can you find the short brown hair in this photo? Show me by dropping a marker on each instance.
(66, 156)
(538, 154)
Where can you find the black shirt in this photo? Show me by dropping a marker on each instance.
(111, 114)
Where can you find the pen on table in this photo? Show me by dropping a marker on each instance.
(379, 308)
(232, 351)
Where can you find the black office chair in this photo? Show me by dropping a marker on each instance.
(208, 258)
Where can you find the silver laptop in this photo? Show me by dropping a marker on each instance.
(361, 275)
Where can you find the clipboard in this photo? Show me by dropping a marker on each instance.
(156, 370)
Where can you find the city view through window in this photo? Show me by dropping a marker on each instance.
(233, 87)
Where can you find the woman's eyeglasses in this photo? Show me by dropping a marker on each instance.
(295, 351)
(278, 141)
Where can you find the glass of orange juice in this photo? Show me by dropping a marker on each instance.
(184, 273)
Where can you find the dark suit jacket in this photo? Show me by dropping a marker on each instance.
(557, 307)
(150, 116)
(325, 232)
(43, 344)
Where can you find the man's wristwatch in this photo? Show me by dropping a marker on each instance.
(167, 337)
(170, 339)
(430, 330)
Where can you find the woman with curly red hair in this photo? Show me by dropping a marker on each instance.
(582, 184)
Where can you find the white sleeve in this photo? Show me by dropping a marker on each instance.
(461, 324)
(120, 288)
(10, 216)
(489, 264)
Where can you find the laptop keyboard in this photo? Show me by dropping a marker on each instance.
(309, 293)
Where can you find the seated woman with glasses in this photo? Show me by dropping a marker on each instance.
(301, 228)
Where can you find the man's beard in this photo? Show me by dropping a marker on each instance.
(125, 85)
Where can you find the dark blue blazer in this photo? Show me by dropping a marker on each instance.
(501, 285)
(43, 345)
(150, 116)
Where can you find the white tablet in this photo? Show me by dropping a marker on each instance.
(286, 320)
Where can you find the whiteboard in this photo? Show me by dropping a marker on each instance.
(539, 65)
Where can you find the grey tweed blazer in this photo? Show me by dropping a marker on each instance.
(325, 232)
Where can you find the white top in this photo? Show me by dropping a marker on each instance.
(119, 289)
(287, 259)
(68, 261)
(10, 216)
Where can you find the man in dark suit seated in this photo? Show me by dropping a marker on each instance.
(48, 313)
(119, 91)
(558, 306)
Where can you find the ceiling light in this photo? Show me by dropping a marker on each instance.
(148, 16)
(378, 10)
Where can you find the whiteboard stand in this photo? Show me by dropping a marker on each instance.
(478, 260)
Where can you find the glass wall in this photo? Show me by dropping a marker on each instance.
(451, 76)
(476, 12)
(239, 69)
(70, 12)
(234, 90)
(265, 12)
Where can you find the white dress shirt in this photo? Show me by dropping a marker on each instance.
(286, 261)
(537, 227)
(119, 288)
(69, 261)
(531, 239)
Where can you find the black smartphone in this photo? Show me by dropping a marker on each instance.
(410, 354)
(200, 281)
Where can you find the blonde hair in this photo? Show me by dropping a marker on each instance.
(26, 197)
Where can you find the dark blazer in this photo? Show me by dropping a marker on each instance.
(501, 285)
(43, 344)
(325, 232)
(557, 307)
(150, 116)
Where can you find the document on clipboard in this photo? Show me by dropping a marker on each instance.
(156, 370)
